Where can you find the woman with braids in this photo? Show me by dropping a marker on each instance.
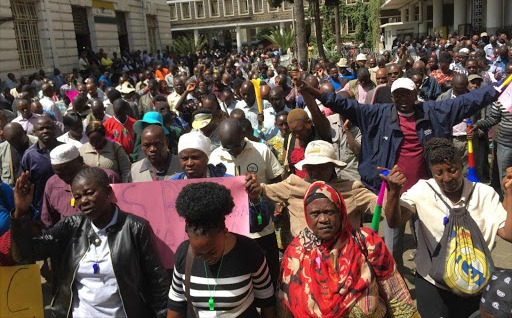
(108, 266)
(216, 273)
(331, 270)
(434, 202)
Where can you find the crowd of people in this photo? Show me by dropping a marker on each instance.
(312, 140)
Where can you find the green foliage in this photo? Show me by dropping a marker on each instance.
(260, 34)
(186, 44)
(283, 41)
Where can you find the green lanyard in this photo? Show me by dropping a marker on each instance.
(211, 301)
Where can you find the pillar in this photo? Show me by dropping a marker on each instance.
(281, 27)
(494, 17)
(196, 36)
(403, 15)
(422, 27)
(437, 13)
(459, 13)
(238, 39)
(412, 8)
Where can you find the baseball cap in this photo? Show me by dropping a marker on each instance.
(63, 154)
(483, 34)
(474, 76)
(319, 152)
(403, 82)
(464, 52)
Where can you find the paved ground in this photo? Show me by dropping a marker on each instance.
(502, 256)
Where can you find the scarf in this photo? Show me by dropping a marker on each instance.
(326, 278)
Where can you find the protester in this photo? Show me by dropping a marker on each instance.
(332, 270)
(119, 128)
(429, 200)
(108, 261)
(216, 271)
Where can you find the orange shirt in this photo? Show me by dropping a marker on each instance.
(161, 74)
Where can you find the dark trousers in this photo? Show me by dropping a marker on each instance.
(268, 244)
(434, 302)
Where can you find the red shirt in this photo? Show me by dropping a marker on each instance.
(410, 153)
(122, 134)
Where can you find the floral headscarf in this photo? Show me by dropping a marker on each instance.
(326, 278)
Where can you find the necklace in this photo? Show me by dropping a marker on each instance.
(211, 301)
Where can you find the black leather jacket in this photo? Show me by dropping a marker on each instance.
(142, 282)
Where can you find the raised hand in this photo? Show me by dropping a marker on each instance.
(23, 195)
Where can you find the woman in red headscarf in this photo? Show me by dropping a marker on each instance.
(332, 270)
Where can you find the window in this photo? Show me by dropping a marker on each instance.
(214, 8)
(257, 6)
(287, 6)
(243, 6)
(27, 34)
(228, 8)
(271, 8)
(174, 11)
(152, 32)
(185, 11)
(200, 14)
(351, 27)
(417, 13)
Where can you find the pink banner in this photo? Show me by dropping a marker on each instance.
(155, 202)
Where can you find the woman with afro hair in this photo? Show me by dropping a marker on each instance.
(216, 272)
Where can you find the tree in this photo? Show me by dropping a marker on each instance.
(315, 7)
(186, 44)
(335, 4)
(300, 31)
(283, 40)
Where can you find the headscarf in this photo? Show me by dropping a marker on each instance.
(326, 278)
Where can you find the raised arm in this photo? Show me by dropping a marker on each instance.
(396, 216)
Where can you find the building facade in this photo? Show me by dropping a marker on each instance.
(43, 34)
(231, 22)
(417, 18)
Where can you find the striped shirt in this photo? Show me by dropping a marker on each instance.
(243, 282)
(499, 114)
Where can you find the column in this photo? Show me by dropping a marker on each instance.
(281, 27)
(196, 36)
(422, 27)
(412, 7)
(238, 39)
(494, 17)
(403, 15)
(437, 13)
(459, 13)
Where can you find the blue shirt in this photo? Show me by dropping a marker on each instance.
(5, 206)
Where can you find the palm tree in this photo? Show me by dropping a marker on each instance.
(283, 40)
(186, 44)
(300, 29)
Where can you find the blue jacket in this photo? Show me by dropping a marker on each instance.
(6, 205)
(380, 128)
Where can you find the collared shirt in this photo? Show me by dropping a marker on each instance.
(457, 67)
(112, 156)
(37, 162)
(65, 138)
(270, 122)
(172, 100)
(484, 208)
(142, 171)
(255, 158)
(251, 112)
(57, 199)
(121, 133)
(97, 294)
(27, 124)
(461, 128)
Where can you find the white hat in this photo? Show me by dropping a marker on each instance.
(361, 57)
(126, 88)
(195, 140)
(319, 152)
(63, 154)
(343, 62)
(403, 82)
(464, 52)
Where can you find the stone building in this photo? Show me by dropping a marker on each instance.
(414, 17)
(43, 34)
(227, 21)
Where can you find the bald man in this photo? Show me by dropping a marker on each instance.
(12, 150)
(430, 88)
(249, 104)
(159, 163)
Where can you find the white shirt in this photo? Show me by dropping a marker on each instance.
(251, 113)
(484, 208)
(97, 295)
(65, 138)
(50, 106)
(255, 158)
(270, 122)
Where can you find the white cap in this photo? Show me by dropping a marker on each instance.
(319, 152)
(63, 154)
(464, 52)
(361, 57)
(195, 140)
(403, 82)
